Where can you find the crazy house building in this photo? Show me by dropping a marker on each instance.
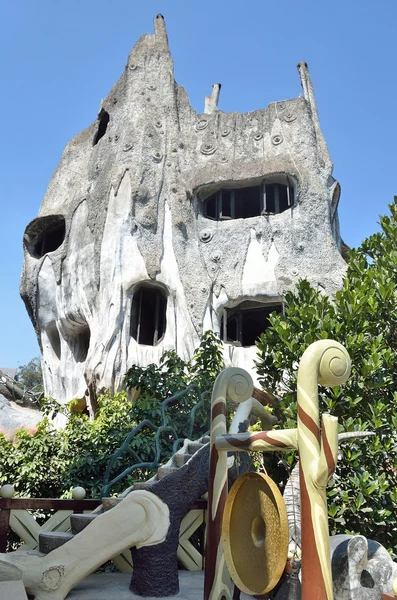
(160, 223)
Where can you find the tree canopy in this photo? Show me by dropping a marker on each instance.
(30, 375)
(363, 317)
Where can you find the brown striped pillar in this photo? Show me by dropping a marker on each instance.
(326, 362)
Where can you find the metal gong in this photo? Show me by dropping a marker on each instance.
(255, 533)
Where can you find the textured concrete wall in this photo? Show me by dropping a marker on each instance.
(133, 210)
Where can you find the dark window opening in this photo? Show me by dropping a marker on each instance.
(103, 118)
(50, 240)
(78, 339)
(245, 323)
(82, 343)
(270, 199)
(252, 201)
(211, 207)
(278, 198)
(148, 316)
(232, 329)
(77, 335)
(54, 339)
(247, 202)
(226, 210)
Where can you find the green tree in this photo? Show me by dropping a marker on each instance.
(48, 462)
(363, 317)
(196, 377)
(30, 375)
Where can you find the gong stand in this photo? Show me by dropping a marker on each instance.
(324, 362)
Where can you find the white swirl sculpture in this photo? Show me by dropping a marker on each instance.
(141, 519)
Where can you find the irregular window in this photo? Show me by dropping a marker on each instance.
(83, 343)
(243, 324)
(248, 202)
(148, 316)
(273, 196)
(54, 339)
(334, 215)
(277, 198)
(77, 335)
(103, 119)
(45, 234)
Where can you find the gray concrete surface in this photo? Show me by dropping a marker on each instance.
(12, 590)
(115, 586)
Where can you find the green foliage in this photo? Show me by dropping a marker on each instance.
(49, 462)
(33, 461)
(156, 383)
(30, 375)
(363, 317)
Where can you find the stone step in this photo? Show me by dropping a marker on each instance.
(194, 447)
(143, 485)
(53, 539)
(111, 502)
(180, 459)
(164, 471)
(80, 522)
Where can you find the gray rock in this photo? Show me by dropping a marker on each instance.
(13, 417)
(361, 569)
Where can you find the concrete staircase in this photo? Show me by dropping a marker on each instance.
(54, 539)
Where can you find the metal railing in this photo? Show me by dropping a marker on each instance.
(159, 430)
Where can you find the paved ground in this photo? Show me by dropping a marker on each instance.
(115, 586)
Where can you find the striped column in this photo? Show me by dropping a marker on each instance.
(235, 385)
(328, 363)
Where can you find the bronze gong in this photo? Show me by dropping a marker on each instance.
(255, 533)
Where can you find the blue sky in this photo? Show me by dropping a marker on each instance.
(60, 58)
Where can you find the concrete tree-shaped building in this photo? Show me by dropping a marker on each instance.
(159, 224)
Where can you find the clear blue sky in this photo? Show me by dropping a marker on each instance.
(60, 58)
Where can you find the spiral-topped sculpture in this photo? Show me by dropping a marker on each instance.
(236, 385)
(325, 362)
(328, 363)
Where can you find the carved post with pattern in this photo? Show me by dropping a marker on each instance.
(327, 363)
(236, 385)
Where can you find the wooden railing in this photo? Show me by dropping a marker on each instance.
(22, 504)
(15, 515)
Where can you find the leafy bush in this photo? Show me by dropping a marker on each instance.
(34, 461)
(363, 317)
(157, 383)
(49, 461)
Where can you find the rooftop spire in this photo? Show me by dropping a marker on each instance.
(160, 30)
(211, 102)
(308, 92)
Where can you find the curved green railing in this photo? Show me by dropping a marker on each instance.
(159, 430)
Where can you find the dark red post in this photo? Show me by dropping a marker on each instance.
(4, 526)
